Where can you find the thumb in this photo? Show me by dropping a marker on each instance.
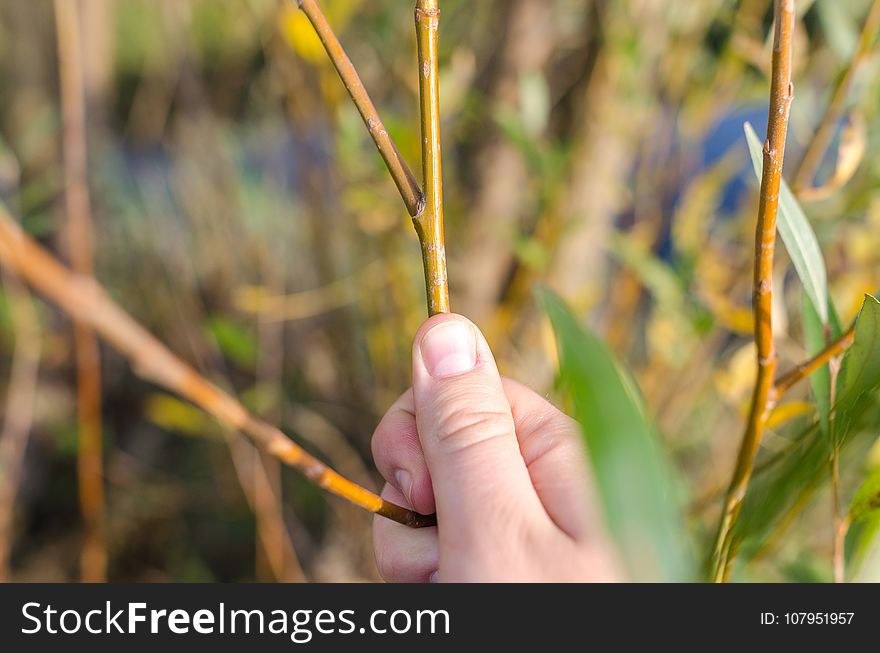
(467, 432)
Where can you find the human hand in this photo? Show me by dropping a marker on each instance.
(504, 470)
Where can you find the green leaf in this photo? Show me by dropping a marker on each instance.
(234, 341)
(820, 380)
(866, 503)
(815, 340)
(863, 549)
(797, 234)
(531, 252)
(534, 101)
(5, 315)
(635, 480)
(172, 414)
(657, 276)
(782, 486)
(839, 28)
(860, 373)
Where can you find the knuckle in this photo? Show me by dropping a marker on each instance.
(461, 429)
(557, 435)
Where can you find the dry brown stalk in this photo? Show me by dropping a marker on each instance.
(19, 409)
(93, 559)
(85, 300)
(259, 486)
(781, 95)
(276, 549)
(818, 145)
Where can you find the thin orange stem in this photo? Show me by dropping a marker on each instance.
(85, 300)
(805, 369)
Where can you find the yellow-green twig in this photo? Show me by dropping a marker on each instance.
(781, 94)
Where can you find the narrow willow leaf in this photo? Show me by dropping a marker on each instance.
(804, 466)
(634, 478)
(838, 27)
(860, 373)
(653, 272)
(172, 414)
(815, 341)
(797, 234)
(866, 503)
(820, 380)
(863, 550)
(234, 341)
(862, 558)
(850, 152)
(797, 471)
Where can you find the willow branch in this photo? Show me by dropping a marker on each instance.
(429, 224)
(834, 111)
(425, 208)
(785, 382)
(93, 559)
(781, 94)
(85, 300)
(403, 177)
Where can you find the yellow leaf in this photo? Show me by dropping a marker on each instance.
(548, 342)
(850, 290)
(737, 379)
(862, 241)
(670, 337)
(734, 318)
(874, 455)
(701, 198)
(299, 33)
(788, 411)
(853, 141)
(172, 414)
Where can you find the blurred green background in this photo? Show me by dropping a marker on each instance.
(243, 216)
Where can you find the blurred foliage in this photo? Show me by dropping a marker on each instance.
(242, 215)
(635, 484)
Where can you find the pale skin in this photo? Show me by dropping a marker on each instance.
(503, 468)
